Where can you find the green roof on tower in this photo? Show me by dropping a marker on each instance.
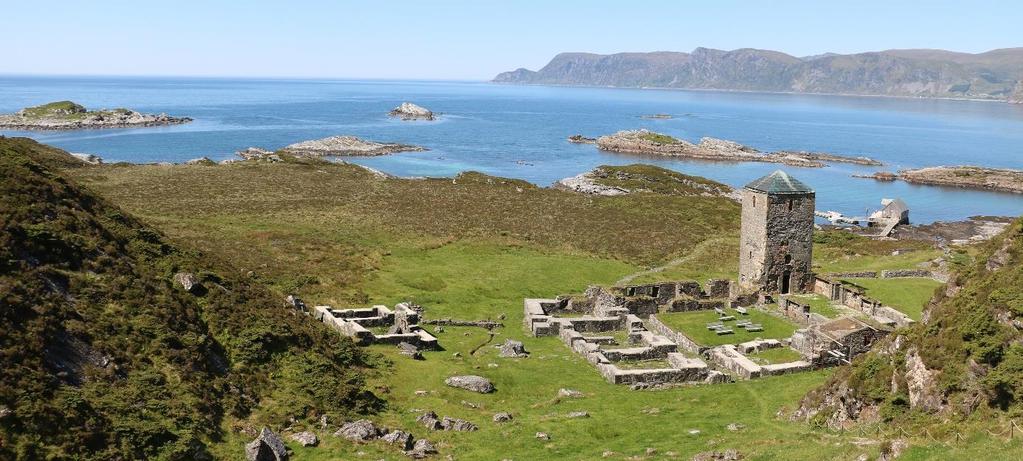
(779, 182)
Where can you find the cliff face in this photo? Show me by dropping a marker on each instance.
(922, 73)
(965, 354)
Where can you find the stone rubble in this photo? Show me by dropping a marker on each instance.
(306, 439)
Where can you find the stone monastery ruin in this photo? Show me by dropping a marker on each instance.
(631, 334)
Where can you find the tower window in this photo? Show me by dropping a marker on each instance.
(790, 204)
(751, 254)
(788, 259)
(754, 201)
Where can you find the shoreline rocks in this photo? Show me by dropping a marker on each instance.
(408, 111)
(651, 143)
(962, 176)
(346, 146)
(66, 115)
(580, 139)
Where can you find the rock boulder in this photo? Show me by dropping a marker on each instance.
(471, 383)
(266, 447)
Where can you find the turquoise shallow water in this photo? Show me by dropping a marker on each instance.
(520, 131)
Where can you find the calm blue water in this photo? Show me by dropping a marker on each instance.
(517, 131)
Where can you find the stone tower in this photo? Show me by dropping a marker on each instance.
(776, 246)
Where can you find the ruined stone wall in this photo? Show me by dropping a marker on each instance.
(682, 340)
(777, 237)
(898, 273)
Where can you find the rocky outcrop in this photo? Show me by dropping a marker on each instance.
(1017, 94)
(580, 139)
(188, 282)
(88, 158)
(922, 384)
(609, 180)
(346, 146)
(471, 383)
(586, 184)
(360, 431)
(258, 154)
(267, 447)
(650, 143)
(409, 111)
(514, 349)
(969, 177)
(66, 115)
(306, 439)
(916, 73)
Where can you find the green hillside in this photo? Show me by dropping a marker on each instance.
(106, 358)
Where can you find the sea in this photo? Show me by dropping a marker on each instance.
(520, 131)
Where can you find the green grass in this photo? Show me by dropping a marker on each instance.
(641, 364)
(819, 304)
(908, 295)
(59, 109)
(659, 138)
(841, 251)
(473, 248)
(694, 325)
(775, 355)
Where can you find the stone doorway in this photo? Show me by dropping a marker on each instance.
(785, 277)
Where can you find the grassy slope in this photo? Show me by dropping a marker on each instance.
(971, 347)
(104, 358)
(474, 248)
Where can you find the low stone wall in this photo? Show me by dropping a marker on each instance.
(853, 275)
(900, 273)
(786, 368)
(729, 358)
(852, 296)
(691, 305)
(683, 341)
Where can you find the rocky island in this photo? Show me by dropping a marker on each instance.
(649, 142)
(969, 177)
(608, 180)
(67, 115)
(409, 111)
(346, 146)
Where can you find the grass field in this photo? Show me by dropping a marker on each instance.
(819, 304)
(775, 355)
(694, 325)
(908, 295)
(473, 248)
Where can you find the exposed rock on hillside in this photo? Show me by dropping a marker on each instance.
(346, 146)
(620, 180)
(1017, 94)
(66, 115)
(648, 142)
(471, 383)
(917, 73)
(965, 353)
(267, 447)
(409, 111)
(258, 154)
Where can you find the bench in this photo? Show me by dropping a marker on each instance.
(719, 310)
(742, 310)
(715, 325)
(726, 318)
(754, 327)
(742, 323)
(724, 331)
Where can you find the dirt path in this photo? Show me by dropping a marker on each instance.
(696, 251)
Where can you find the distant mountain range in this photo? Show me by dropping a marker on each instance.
(996, 74)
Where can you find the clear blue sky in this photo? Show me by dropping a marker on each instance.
(460, 39)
